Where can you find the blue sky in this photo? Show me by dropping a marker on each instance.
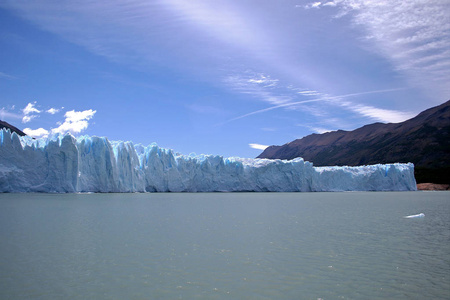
(219, 77)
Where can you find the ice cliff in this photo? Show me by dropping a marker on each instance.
(94, 164)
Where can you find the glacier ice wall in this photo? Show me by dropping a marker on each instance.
(94, 164)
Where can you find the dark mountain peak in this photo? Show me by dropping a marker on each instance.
(423, 140)
(6, 125)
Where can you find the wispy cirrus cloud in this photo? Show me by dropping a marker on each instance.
(378, 114)
(266, 89)
(7, 76)
(135, 32)
(413, 35)
(140, 33)
(300, 62)
(8, 113)
(222, 20)
(122, 31)
(263, 80)
(309, 93)
(259, 86)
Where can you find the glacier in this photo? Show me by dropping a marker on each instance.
(65, 164)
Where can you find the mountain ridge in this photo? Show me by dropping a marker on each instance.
(6, 125)
(423, 140)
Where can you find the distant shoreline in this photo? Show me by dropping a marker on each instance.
(433, 187)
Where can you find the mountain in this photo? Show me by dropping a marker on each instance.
(423, 140)
(6, 125)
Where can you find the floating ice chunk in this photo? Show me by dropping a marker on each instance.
(421, 215)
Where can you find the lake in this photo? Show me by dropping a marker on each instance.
(355, 245)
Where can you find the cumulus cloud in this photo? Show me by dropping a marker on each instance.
(75, 122)
(52, 111)
(27, 119)
(36, 133)
(29, 112)
(29, 109)
(258, 146)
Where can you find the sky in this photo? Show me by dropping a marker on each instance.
(223, 77)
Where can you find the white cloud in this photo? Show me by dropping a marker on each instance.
(313, 5)
(285, 105)
(27, 119)
(7, 76)
(320, 130)
(221, 20)
(136, 31)
(75, 122)
(29, 111)
(258, 146)
(368, 111)
(76, 116)
(258, 85)
(36, 133)
(309, 93)
(5, 113)
(263, 80)
(330, 4)
(52, 111)
(412, 35)
(378, 114)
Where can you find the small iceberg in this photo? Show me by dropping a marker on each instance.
(421, 215)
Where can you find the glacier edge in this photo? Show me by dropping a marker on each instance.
(65, 164)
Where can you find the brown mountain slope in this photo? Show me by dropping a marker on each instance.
(4, 124)
(423, 140)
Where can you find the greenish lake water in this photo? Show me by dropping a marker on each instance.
(225, 246)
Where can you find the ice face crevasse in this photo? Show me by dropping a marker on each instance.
(94, 164)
